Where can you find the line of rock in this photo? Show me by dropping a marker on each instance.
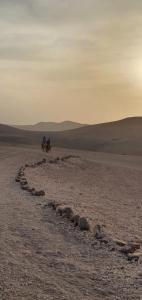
(130, 249)
(67, 212)
(23, 181)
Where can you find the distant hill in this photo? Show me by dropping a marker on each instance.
(51, 126)
(5, 129)
(122, 137)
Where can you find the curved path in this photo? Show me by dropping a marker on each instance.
(44, 257)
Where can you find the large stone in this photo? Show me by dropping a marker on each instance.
(84, 224)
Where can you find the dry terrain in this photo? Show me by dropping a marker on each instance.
(120, 137)
(42, 256)
(105, 188)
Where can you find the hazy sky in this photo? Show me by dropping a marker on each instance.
(70, 59)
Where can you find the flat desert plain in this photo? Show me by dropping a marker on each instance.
(42, 255)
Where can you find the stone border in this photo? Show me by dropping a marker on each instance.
(20, 178)
(67, 212)
(129, 249)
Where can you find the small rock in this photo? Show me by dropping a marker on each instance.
(31, 190)
(33, 193)
(104, 241)
(25, 187)
(51, 204)
(21, 168)
(99, 232)
(51, 161)
(24, 182)
(112, 249)
(125, 250)
(23, 179)
(67, 212)
(26, 166)
(75, 219)
(133, 246)
(39, 163)
(39, 193)
(120, 243)
(130, 248)
(134, 256)
(84, 224)
(56, 160)
(21, 174)
(55, 205)
(59, 211)
(17, 179)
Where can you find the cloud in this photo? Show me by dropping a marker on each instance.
(59, 12)
(85, 50)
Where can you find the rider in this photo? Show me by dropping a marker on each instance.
(48, 144)
(48, 141)
(43, 142)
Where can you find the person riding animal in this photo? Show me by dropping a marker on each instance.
(43, 143)
(46, 144)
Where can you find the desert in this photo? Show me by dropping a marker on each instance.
(43, 254)
(71, 150)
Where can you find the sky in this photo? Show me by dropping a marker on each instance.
(78, 60)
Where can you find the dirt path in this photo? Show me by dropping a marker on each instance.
(44, 257)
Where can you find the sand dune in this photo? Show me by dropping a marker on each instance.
(122, 137)
(51, 126)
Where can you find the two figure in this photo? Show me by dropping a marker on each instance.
(46, 144)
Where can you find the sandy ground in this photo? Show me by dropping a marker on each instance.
(42, 256)
(105, 188)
